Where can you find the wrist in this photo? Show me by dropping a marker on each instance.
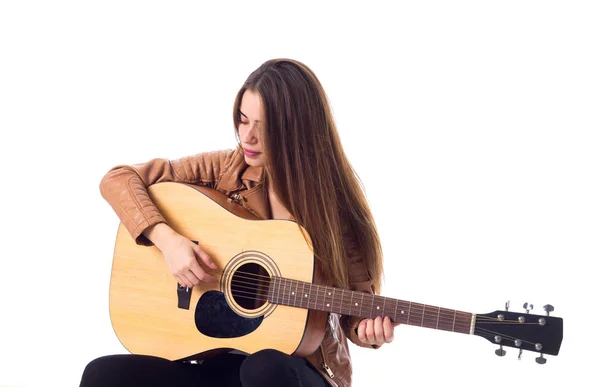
(159, 234)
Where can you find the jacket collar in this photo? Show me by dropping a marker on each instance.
(251, 180)
(253, 174)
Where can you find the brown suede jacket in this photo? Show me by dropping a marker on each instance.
(124, 188)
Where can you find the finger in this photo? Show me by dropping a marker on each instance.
(182, 281)
(191, 278)
(204, 257)
(370, 332)
(362, 327)
(199, 273)
(388, 330)
(378, 328)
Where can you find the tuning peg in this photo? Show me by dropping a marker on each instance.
(541, 359)
(507, 305)
(499, 352)
(548, 308)
(527, 307)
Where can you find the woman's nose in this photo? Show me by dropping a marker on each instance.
(251, 135)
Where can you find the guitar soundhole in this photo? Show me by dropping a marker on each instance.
(250, 286)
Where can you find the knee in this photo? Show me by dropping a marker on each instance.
(263, 368)
(96, 372)
(91, 372)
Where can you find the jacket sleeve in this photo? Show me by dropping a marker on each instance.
(359, 281)
(124, 187)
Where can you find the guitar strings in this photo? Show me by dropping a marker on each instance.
(416, 308)
(481, 331)
(453, 319)
(426, 316)
(445, 315)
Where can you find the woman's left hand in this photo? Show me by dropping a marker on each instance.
(376, 331)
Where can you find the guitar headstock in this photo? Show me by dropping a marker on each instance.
(525, 331)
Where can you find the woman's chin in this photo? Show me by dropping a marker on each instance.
(254, 161)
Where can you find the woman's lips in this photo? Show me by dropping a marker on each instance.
(250, 153)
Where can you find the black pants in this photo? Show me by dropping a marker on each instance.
(264, 368)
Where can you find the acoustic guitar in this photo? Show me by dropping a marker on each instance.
(269, 293)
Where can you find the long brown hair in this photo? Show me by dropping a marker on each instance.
(308, 169)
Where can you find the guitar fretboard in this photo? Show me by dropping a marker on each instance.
(305, 295)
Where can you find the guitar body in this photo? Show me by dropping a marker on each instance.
(151, 314)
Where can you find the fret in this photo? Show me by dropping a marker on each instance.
(372, 302)
(342, 301)
(279, 290)
(409, 306)
(423, 315)
(383, 311)
(362, 303)
(350, 310)
(454, 321)
(438, 318)
(270, 292)
(302, 295)
(283, 293)
(332, 295)
(308, 300)
(396, 311)
(317, 297)
(295, 293)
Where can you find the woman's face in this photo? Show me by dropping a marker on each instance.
(249, 128)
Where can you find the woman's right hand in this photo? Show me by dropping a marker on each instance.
(182, 256)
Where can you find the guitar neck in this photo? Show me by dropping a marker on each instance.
(285, 291)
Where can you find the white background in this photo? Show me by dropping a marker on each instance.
(473, 125)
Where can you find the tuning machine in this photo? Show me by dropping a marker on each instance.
(500, 351)
(541, 359)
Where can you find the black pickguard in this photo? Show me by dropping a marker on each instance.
(214, 318)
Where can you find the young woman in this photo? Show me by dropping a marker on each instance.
(289, 164)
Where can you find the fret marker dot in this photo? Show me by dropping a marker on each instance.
(327, 304)
(401, 312)
(356, 304)
(377, 308)
(306, 295)
(330, 293)
(292, 293)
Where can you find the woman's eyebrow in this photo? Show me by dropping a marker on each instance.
(246, 115)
